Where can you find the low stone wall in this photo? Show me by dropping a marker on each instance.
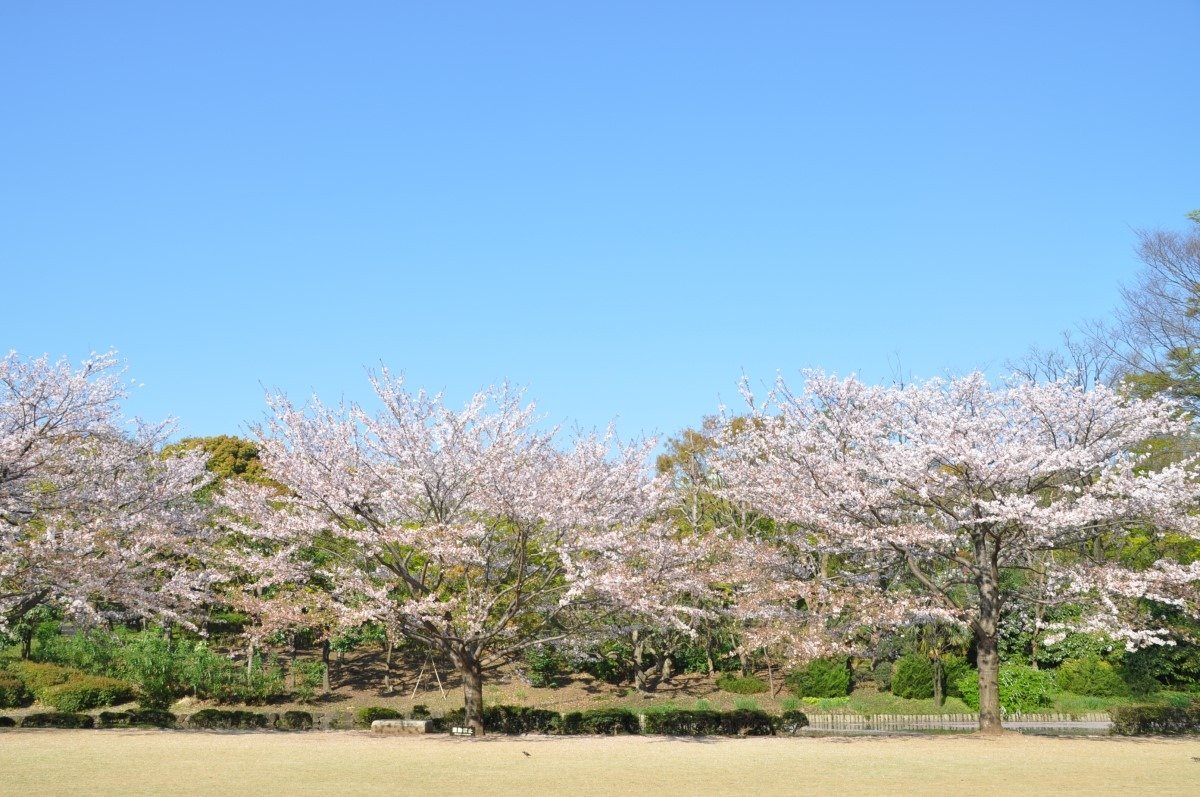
(397, 727)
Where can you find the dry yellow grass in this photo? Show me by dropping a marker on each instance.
(355, 763)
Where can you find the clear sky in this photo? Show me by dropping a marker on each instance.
(623, 206)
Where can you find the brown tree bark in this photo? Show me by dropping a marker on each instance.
(471, 673)
(325, 660)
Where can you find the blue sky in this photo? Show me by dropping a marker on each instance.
(623, 206)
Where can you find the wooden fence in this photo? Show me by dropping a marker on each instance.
(901, 722)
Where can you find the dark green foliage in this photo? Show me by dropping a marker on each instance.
(821, 678)
(883, 676)
(419, 712)
(1142, 720)
(7, 722)
(610, 662)
(366, 716)
(13, 692)
(82, 692)
(217, 719)
(546, 665)
(953, 668)
(791, 722)
(295, 721)
(749, 685)
(143, 718)
(740, 722)
(1091, 676)
(606, 721)
(1022, 688)
(516, 720)
(912, 677)
(58, 719)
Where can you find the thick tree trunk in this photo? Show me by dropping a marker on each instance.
(987, 629)
(472, 679)
(939, 686)
(988, 659)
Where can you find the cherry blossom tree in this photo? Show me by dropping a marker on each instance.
(954, 500)
(469, 531)
(93, 519)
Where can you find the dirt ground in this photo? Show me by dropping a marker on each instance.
(176, 762)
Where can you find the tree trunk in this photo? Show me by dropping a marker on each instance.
(939, 690)
(988, 659)
(987, 631)
(387, 667)
(472, 679)
(27, 643)
(325, 661)
(639, 655)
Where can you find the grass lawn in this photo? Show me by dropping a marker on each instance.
(172, 762)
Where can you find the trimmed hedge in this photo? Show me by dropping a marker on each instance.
(366, 716)
(38, 675)
(13, 692)
(1091, 676)
(516, 720)
(139, 718)
(7, 722)
(790, 722)
(748, 685)
(82, 692)
(1143, 720)
(216, 719)
(295, 721)
(740, 722)
(606, 721)
(1022, 688)
(58, 719)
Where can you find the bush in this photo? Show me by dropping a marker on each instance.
(684, 723)
(57, 719)
(366, 716)
(38, 675)
(791, 722)
(607, 721)
(953, 668)
(912, 677)
(883, 676)
(308, 678)
(216, 719)
(516, 720)
(7, 722)
(13, 692)
(86, 691)
(1022, 688)
(546, 666)
(821, 678)
(420, 712)
(610, 663)
(1142, 720)
(1091, 676)
(295, 721)
(144, 718)
(749, 685)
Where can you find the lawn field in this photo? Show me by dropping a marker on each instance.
(356, 763)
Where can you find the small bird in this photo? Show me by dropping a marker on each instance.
(525, 754)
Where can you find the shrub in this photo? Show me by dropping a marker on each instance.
(517, 720)
(151, 662)
(610, 662)
(1090, 676)
(821, 678)
(1141, 720)
(144, 718)
(7, 722)
(953, 668)
(308, 677)
(684, 723)
(13, 692)
(57, 719)
(883, 676)
(791, 722)
(912, 677)
(748, 722)
(1022, 688)
(749, 685)
(419, 712)
(38, 675)
(366, 716)
(546, 665)
(86, 691)
(295, 721)
(217, 719)
(607, 721)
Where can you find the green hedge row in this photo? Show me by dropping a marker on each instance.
(1143, 720)
(65, 689)
(139, 718)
